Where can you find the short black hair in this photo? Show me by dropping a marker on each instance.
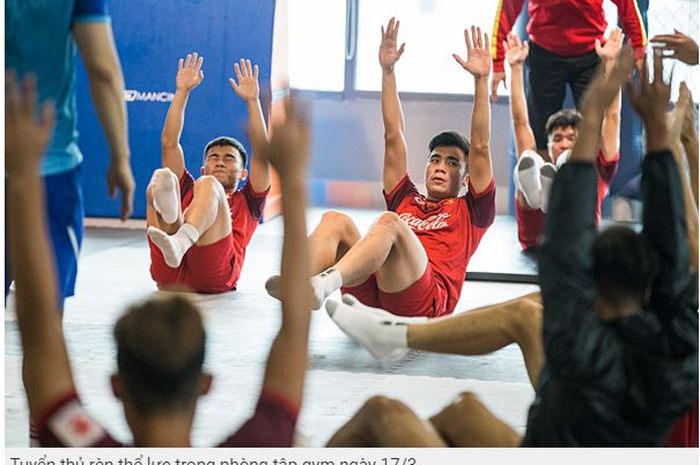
(450, 139)
(160, 353)
(223, 141)
(625, 264)
(563, 119)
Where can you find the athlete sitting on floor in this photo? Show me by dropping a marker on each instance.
(161, 342)
(198, 231)
(413, 259)
(613, 375)
(533, 175)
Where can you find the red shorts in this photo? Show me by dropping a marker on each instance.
(426, 297)
(209, 269)
(530, 226)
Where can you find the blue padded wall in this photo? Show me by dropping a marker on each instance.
(150, 37)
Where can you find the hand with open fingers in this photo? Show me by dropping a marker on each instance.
(26, 136)
(605, 85)
(650, 99)
(247, 87)
(689, 130)
(678, 46)
(189, 72)
(478, 62)
(516, 50)
(288, 150)
(389, 54)
(119, 177)
(680, 111)
(609, 52)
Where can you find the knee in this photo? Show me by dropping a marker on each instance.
(456, 412)
(389, 221)
(341, 224)
(160, 176)
(526, 320)
(384, 410)
(208, 183)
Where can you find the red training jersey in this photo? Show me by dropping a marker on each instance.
(449, 230)
(565, 27)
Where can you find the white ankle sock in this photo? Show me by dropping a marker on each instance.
(174, 247)
(383, 334)
(563, 158)
(165, 199)
(527, 178)
(324, 284)
(547, 173)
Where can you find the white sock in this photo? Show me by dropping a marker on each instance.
(563, 158)
(324, 284)
(174, 247)
(527, 178)
(165, 199)
(547, 173)
(383, 334)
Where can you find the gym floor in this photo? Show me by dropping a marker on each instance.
(240, 327)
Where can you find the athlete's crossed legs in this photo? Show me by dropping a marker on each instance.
(341, 257)
(205, 221)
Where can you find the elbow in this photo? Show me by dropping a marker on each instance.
(479, 147)
(104, 72)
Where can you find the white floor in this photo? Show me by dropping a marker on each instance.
(241, 325)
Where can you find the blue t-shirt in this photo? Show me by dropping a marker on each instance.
(38, 38)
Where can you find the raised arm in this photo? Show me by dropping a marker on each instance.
(506, 14)
(96, 46)
(189, 75)
(678, 46)
(248, 89)
(565, 258)
(47, 373)
(288, 153)
(610, 131)
(516, 54)
(395, 150)
(689, 138)
(478, 64)
(664, 212)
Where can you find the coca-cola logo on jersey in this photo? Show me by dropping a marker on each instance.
(429, 224)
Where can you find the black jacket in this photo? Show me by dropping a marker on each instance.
(620, 382)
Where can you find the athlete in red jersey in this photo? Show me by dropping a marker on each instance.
(160, 342)
(413, 259)
(533, 175)
(198, 230)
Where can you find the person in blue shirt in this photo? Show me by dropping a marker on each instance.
(41, 38)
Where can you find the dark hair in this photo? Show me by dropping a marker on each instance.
(223, 141)
(160, 352)
(450, 139)
(624, 264)
(563, 119)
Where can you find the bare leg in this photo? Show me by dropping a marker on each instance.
(384, 422)
(331, 240)
(209, 212)
(486, 330)
(468, 423)
(391, 250)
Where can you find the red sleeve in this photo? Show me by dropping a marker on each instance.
(606, 169)
(272, 424)
(404, 188)
(506, 14)
(186, 185)
(482, 205)
(67, 424)
(632, 24)
(255, 200)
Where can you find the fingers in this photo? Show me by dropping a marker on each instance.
(486, 41)
(494, 89)
(467, 41)
(658, 68)
(28, 94)
(12, 95)
(48, 115)
(127, 203)
(402, 48)
(255, 72)
(598, 47)
(232, 83)
(198, 64)
(459, 60)
(180, 64)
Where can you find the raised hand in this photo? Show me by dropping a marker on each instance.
(189, 72)
(478, 61)
(611, 50)
(605, 85)
(651, 99)
(247, 87)
(516, 50)
(25, 135)
(678, 45)
(389, 54)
